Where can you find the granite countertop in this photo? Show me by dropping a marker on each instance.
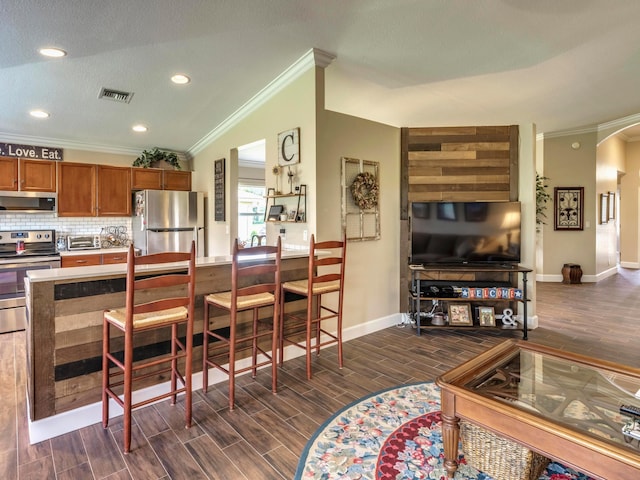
(78, 273)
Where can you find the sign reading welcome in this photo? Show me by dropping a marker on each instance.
(30, 151)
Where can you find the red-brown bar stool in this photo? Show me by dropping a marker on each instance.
(319, 282)
(157, 296)
(255, 284)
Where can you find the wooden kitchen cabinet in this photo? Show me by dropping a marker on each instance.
(77, 189)
(90, 259)
(146, 179)
(26, 175)
(110, 258)
(8, 173)
(81, 260)
(37, 175)
(159, 179)
(114, 191)
(176, 180)
(86, 190)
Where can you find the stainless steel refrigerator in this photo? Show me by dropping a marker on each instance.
(167, 221)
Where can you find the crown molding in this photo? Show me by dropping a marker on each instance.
(566, 133)
(59, 143)
(313, 58)
(620, 122)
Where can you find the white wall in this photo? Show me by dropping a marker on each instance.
(293, 106)
(610, 160)
(630, 208)
(372, 269)
(568, 167)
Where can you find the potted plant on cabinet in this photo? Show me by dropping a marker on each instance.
(155, 157)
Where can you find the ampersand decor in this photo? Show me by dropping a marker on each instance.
(507, 318)
(364, 190)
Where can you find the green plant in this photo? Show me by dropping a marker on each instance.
(542, 197)
(149, 157)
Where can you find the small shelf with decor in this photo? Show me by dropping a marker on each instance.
(293, 205)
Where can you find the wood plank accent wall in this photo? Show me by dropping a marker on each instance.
(460, 163)
(455, 164)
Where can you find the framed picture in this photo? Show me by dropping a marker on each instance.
(218, 185)
(612, 206)
(289, 147)
(568, 208)
(274, 212)
(475, 212)
(460, 314)
(604, 208)
(486, 317)
(446, 211)
(291, 216)
(420, 209)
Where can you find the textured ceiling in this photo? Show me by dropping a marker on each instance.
(559, 64)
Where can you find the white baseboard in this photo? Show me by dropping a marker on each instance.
(84, 416)
(585, 278)
(606, 274)
(633, 265)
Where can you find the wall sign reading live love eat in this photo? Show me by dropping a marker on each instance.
(30, 151)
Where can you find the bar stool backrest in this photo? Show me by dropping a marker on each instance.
(255, 270)
(136, 303)
(316, 259)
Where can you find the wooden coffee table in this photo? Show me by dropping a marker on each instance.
(561, 405)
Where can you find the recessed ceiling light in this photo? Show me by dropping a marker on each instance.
(139, 128)
(52, 52)
(39, 114)
(180, 79)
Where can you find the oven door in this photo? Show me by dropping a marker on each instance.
(12, 297)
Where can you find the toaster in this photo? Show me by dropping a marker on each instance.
(83, 242)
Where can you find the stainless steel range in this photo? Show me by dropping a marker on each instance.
(21, 251)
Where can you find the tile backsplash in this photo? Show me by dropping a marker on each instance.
(62, 225)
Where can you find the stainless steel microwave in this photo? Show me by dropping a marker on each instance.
(28, 202)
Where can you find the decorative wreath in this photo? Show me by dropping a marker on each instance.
(364, 190)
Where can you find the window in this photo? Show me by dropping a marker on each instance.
(251, 205)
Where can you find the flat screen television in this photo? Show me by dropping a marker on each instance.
(465, 233)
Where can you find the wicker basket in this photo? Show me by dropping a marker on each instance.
(498, 457)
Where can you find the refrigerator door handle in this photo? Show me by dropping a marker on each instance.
(189, 229)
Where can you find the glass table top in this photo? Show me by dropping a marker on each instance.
(574, 394)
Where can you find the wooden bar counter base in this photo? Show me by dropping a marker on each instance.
(64, 326)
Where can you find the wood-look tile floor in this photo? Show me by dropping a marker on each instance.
(264, 436)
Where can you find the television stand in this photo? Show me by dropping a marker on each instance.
(484, 285)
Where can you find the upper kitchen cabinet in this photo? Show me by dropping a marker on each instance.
(176, 180)
(114, 191)
(86, 190)
(77, 189)
(8, 173)
(159, 179)
(146, 179)
(27, 175)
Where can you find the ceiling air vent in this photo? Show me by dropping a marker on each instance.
(115, 95)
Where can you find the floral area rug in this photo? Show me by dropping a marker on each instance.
(393, 434)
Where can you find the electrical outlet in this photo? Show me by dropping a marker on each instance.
(304, 235)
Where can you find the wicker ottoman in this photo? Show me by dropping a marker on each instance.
(498, 457)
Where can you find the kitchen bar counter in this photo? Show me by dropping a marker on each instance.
(64, 326)
(93, 251)
(76, 273)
